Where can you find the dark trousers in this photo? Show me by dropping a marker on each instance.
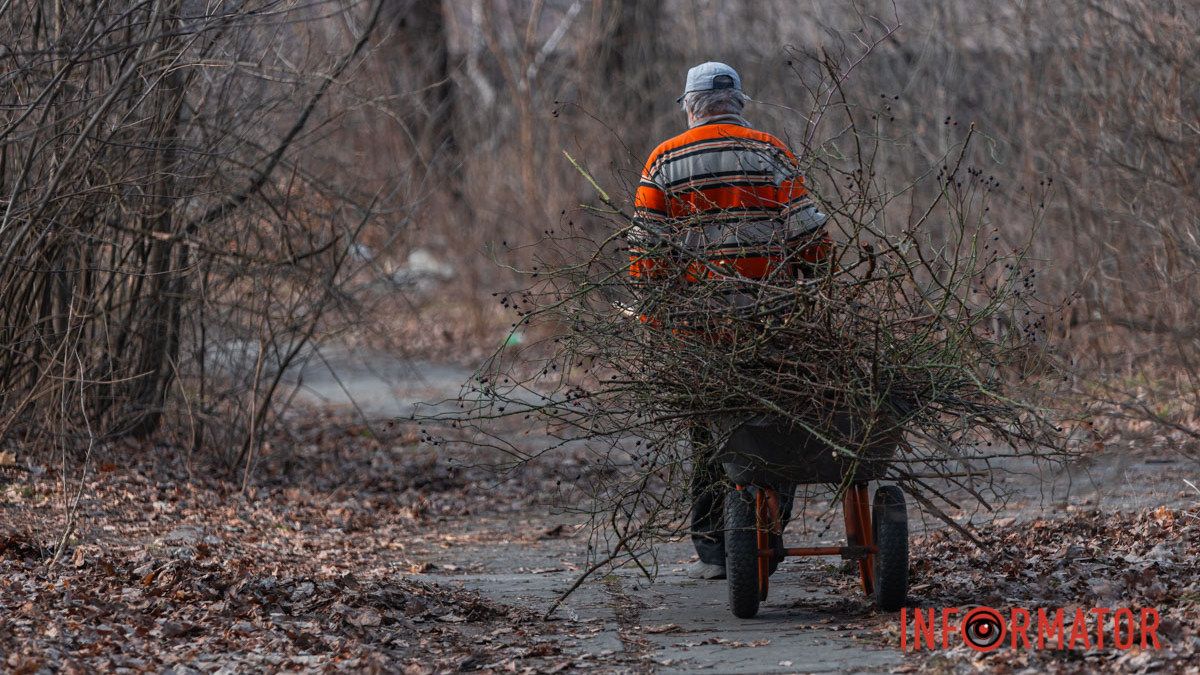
(708, 489)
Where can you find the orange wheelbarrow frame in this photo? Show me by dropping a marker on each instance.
(856, 510)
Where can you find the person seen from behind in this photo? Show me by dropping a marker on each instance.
(733, 197)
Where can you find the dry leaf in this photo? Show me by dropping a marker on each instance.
(364, 617)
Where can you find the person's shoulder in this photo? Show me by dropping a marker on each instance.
(705, 134)
(711, 132)
(767, 138)
(677, 141)
(674, 143)
(745, 133)
(774, 141)
(751, 132)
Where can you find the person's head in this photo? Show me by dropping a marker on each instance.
(712, 89)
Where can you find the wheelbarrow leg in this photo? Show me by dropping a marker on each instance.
(766, 509)
(857, 510)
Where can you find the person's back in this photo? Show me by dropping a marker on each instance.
(729, 195)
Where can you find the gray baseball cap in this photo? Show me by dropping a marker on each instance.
(709, 76)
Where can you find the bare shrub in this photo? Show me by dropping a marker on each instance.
(168, 246)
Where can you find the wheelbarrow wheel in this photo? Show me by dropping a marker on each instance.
(889, 522)
(741, 553)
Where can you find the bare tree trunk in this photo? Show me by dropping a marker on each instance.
(423, 70)
(629, 50)
(158, 325)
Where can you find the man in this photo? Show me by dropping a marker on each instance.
(732, 197)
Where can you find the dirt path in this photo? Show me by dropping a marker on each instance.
(816, 619)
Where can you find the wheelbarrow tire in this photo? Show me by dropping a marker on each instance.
(889, 522)
(741, 554)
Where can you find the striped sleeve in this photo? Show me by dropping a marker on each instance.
(801, 217)
(803, 222)
(650, 213)
(650, 202)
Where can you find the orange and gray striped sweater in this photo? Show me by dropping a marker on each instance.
(730, 196)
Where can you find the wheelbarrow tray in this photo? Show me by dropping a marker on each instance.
(771, 453)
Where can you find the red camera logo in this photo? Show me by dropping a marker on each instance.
(983, 629)
(986, 629)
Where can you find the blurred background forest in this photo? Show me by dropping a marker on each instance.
(198, 196)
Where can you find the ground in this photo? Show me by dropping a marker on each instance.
(361, 548)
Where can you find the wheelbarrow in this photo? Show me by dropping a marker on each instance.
(758, 457)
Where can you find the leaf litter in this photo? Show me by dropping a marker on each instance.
(173, 569)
